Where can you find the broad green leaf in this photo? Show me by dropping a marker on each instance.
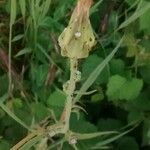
(146, 132)
(119, 87)
(127, 143)
(93, 76)
(145, 21)
(135, 115)
(40, 112)
(145, 73)
(109, 124)
(97, 97)
(89, 65)
(57, 98)
(131, 44)
(117, 66)
(3, 84)
(56, 102)
(4, 145)
(39, 74)
(142, 102)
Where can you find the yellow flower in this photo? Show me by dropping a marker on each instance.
(78, 38)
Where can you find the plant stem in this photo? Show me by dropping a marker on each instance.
(71, 88)
(9, 60)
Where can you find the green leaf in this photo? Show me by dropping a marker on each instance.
(3, 84)
(119, 87)
(135, 16)
(109, 140)
(57, 98)
(39, 111)
(131, 44)
(32, 142)
(109, 124)
(135, 115)
(17, 37)
(97, 97)
(22, 4)
(46, 5)
(127, 143)
(12, 115)
(13, 12)
(146, 132)
(39, 73)
(95, 7)
(145, 73)
(90, 64)
(130, 2)
(93, 76)
(4, 145)
(23, 52)
(142, 102)
(117, 66)
(145, 21)
(56, 102)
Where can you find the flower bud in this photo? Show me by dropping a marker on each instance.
(78, 39)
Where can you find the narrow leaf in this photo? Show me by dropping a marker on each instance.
(93, 135)
(22, 4)
(136, 15)
(13, 12)
(17, 38)
(23, 51)
(13, 116)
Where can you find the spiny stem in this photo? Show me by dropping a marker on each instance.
(71, 88)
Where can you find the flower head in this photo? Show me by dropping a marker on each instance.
(78, 39)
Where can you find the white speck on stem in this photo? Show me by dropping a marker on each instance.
(52, 133)
(77, 34)
(73, 141)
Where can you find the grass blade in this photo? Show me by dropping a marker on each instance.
(46, 6)
(12, 115)
(13, 12)
(84, 136)
(95, 7)
(136, 15)
(109, 140)
(22, 4)
(92, 77)
(32, 142)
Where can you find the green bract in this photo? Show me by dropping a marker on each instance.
(78, 38)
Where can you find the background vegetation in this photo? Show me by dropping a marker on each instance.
(31, 88)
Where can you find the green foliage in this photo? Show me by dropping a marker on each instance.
(121, 88)
(113, 93)
(127, 143)
(56, 102)
(90, 64)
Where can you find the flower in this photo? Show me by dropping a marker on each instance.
(77, 40)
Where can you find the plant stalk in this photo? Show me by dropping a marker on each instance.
(70, 91)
